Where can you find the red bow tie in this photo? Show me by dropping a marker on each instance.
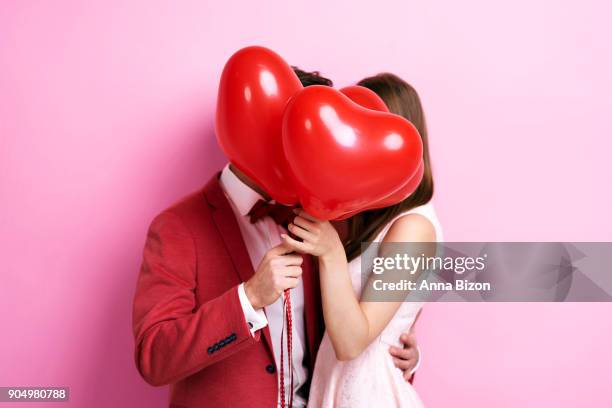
(281, 214)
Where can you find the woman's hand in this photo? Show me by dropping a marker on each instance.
(319, 237)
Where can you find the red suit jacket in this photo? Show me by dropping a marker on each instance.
(189, 327)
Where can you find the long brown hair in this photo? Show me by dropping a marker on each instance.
(402, 99)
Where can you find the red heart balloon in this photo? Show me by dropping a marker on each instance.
(404, 191)
(255, 86)
(370, 99)
(400, 195)
(365, 97)
(344, 157)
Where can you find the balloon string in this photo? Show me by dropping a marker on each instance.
(287, 316)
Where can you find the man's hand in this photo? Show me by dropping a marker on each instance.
(277, 271)
(406, 358)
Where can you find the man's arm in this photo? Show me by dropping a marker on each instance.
(174, 337)
(407, 358)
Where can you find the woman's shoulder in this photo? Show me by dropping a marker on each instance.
(417, 224)
(411, 227)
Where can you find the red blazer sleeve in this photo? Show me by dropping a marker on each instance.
(174, 336)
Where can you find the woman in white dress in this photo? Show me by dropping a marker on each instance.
(354, 368)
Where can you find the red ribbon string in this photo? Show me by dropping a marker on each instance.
(287, 307)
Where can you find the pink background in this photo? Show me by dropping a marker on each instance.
(106, 117)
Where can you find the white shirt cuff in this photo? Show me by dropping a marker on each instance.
(256, 319)
(416, 367)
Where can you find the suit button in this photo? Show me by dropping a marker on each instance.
(270, 368)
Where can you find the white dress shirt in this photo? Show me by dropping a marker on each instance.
(259, 238)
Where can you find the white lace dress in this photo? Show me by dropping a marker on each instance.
(370, 380)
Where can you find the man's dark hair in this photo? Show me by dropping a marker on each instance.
(312, 78)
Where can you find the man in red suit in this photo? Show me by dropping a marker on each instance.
(208, 312)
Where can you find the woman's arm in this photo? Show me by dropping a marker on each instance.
(351, 325)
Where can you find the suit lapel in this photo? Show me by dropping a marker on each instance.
(228, 228)
(226, 223)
